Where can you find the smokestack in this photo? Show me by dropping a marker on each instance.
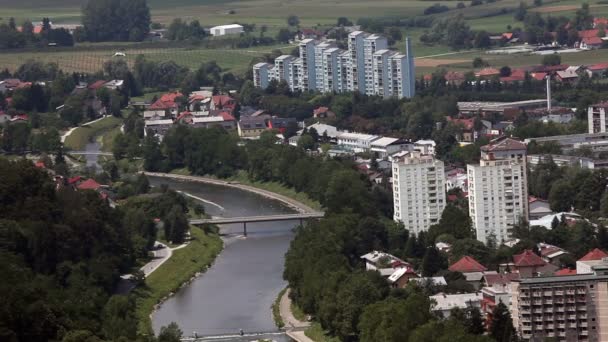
(549, 94)
(411, 73)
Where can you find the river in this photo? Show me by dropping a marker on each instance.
(238, 290)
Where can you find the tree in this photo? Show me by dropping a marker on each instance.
(170, 333)
(561, 196)
(482, 40)
(343, 21)
(432, 262)
(116, 20)
(505, 71)
(306, 142)
(284, 35)
(176, 225)
(293, 21)
(119, 318)
(520, 12)
(561, 35)
(553, 59)
(478, 62)
(501, 327)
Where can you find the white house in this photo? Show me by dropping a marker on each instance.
(356, 142)
(386, 146)
(223, 30)
(444, 303)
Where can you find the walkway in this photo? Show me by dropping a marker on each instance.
(265, 218)
(293, 326)
(160, 256)
(66, 134)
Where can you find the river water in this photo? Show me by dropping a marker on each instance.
(238, 290)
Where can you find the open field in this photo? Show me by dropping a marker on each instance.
(90, 61)
(83, 135)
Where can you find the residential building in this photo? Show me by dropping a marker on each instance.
(384, 263)
(597, 142)
(385, 146)
(497, 289)
(251, 127)
(444, 303)
(366, 67)
(528, 265)
(223, 30)
(596, 117)
(425, 146)
(418, 190)
(498, 189)
(356, 142)
(471, 269)
(538, 208)
(567, 307)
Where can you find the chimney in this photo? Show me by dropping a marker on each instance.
(549, 94)
(410, 69)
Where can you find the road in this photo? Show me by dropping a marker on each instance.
(294, 327)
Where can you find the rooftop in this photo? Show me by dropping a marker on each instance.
(448, 302)
(503, 144)
(528, 258)
(467, 264)
(596, 254)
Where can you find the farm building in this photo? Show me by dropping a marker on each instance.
(226, 29)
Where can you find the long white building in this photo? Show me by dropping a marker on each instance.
(418, 190)
(367, 66)
(498, 189)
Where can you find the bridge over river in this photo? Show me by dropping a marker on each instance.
(262, 218)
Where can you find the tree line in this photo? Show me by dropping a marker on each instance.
(12, 37)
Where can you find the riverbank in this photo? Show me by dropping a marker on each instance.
(184, 266)
(289, 201)
(77, 138)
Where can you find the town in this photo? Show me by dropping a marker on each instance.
(418, 178)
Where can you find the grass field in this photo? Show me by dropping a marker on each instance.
(182, 265)
(81, 136)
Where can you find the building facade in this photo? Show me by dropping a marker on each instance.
(498, 189)
(596, 117)
(418, 190)
(367, 66)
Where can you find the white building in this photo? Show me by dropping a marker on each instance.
(366, 66)
(386, 146)
(425, 146)
(498, 189)
(418, 190)
(596, 117)
(356, 142)
(223, 30)
(444, 303)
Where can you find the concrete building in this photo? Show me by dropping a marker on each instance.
(355, 142)
(261, 74)
(498, 189)
(223, 30)
(323, 67)
(444, 303)
(566, 308)
(596, 117)
(418, 190)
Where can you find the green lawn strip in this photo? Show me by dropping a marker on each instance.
(276, 310)
(278, 188)
(179, 269)
(316, 333)
(81, 136)
(297, 312)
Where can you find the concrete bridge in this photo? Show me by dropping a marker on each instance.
(265, 218)
(245, 337)
(90, 153)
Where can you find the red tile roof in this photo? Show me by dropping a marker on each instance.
(588, 33)
(40, 165)
(89, 184)
(167, 101)
(600, 21)
(487, 72)
(528, 258)
(227, 116)
(500, 279)
(467, 123)
(565, 272)
(596, 254)
(592, 40)
(96, 85)
(512, 79)
(598, 67)
(221, 101)
(74, 180)
(539, 76)
(467, 264)
(452, 76)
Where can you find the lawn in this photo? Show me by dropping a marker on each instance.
(276, 310)
(81, 136)
(181, 267)
(317, 334)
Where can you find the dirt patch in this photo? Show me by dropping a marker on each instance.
(435, 62)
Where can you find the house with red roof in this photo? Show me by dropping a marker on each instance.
(454, 78)
(467, 126)
(528, 265)
(598, 69)
(598, 21)
(89, 184)
(539, 76)
(20, 118)
(96, 85)
(322, 113)
(224, 103)
(565, 272)
(166, 106)
(591, 43)
(595, 257)
(467, 264)
(488, 72)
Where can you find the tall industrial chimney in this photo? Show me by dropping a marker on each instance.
(549, 94)
(410, 70)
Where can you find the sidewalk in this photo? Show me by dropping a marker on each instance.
(294, 328)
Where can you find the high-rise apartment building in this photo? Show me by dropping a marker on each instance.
(596, 117)
(367, 66)
(418, 190)
(565, 307)
(498, 189)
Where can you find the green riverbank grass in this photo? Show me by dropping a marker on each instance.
(81, 136)
(316, 333)
(297, 312)
(276, 310)
(179, 269)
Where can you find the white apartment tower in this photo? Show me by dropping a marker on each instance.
(596, 117)
(418, 190)
(307, 54)
(371, 44)
(367, 66)
(498, 189)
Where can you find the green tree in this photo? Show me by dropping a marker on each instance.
(520, 12)
(306, 142)
(119, 318)
(433, 262)
(553, 59)
(293, 21)
(284, 36)
(170, 333)
(501, 327)
(116, 20)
